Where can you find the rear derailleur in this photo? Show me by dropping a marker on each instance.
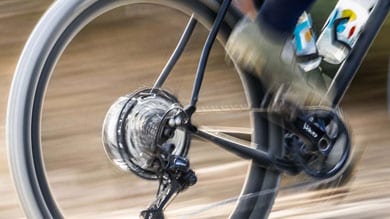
(146, 133)
(175, 177)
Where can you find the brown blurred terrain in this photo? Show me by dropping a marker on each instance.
(105, 54)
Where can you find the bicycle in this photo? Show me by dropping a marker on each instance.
(170, 136)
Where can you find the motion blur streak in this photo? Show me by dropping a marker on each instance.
(95, 191)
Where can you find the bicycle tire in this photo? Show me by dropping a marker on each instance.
(55, 30)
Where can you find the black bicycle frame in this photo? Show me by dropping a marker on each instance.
(340, 82)
(349, 68)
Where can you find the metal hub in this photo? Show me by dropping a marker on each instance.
(136, 125)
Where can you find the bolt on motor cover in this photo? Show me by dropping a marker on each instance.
(132, 127)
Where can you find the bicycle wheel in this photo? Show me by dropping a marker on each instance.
(27, 114)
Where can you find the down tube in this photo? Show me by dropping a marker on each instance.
(348, 70)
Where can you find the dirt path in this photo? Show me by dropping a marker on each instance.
(104, 63)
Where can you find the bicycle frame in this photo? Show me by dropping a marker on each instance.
(350, 66)
(43, 50)
(339, 85)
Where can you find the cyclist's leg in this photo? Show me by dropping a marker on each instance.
(281, 16)
(261, 47)
(258, 3)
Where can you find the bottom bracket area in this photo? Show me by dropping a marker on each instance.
(134, 128)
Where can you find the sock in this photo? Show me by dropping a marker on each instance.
(281, 16)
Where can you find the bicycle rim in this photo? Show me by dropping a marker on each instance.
(56, 29)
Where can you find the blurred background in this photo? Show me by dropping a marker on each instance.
(128, 47)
